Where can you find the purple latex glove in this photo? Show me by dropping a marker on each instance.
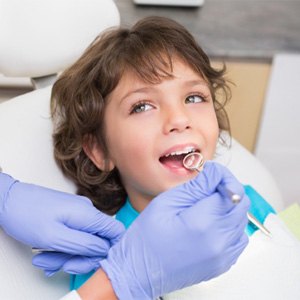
(186, 235)
(57, 221)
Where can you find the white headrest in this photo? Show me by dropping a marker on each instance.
(40, 37)
(26, 150)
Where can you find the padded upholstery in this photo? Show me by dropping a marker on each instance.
(20, 280)
(26, 143)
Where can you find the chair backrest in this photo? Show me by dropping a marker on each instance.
(26, 141)
(26, 149)
(40, 38)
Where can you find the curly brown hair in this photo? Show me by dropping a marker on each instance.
(79, 96)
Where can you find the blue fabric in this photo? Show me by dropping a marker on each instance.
(259, 207)
(127, 214)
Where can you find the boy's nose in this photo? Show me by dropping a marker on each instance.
(176, 120)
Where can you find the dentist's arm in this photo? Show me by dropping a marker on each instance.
(203, 234)
(189, 234)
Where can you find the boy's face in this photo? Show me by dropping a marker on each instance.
(149, 128)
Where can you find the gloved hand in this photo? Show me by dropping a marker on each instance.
(57, 221)
(186, 235)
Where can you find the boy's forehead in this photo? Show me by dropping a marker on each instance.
(132, 81)
(131, 77)
(129, 81)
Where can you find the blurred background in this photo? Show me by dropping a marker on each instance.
(259, 41)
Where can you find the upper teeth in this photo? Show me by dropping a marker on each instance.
(184, 151)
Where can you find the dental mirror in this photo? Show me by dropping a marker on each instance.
(193, 161)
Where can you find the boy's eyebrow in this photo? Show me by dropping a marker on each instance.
(196, 82)
(189, 83)
(136, 91)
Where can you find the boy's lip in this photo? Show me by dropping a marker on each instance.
(172, 158)
(181, 149)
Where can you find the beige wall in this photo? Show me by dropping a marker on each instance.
(248, 94)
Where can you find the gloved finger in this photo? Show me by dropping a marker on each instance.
(200, 187)
(229, 237)
(50, 261)
(211, 209)
(234, 251)
(238, 213)
(82, 264)
(237, 248)
(233, 235)
(230, 185)
(97, 223)
(76, 242)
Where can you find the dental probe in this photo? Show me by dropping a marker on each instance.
(194, 161)
(258, 224)
(40, 250)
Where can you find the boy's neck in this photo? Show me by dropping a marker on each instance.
(139, 203)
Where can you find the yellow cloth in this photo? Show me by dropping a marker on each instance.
(291, 218)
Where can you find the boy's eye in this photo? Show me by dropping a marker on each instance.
(140, 107)
(194, 99)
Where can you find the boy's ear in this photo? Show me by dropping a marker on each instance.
(96, 154)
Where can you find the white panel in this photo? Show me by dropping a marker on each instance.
(170, 2)
(40, 38)
(278, 145)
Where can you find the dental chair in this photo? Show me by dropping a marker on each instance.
(30, 48)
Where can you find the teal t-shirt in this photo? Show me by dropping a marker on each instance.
(259, 207)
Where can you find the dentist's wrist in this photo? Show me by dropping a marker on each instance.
(123, 281)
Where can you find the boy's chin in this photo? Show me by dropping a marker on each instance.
(180, 181)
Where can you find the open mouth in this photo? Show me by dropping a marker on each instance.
(174, 159)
